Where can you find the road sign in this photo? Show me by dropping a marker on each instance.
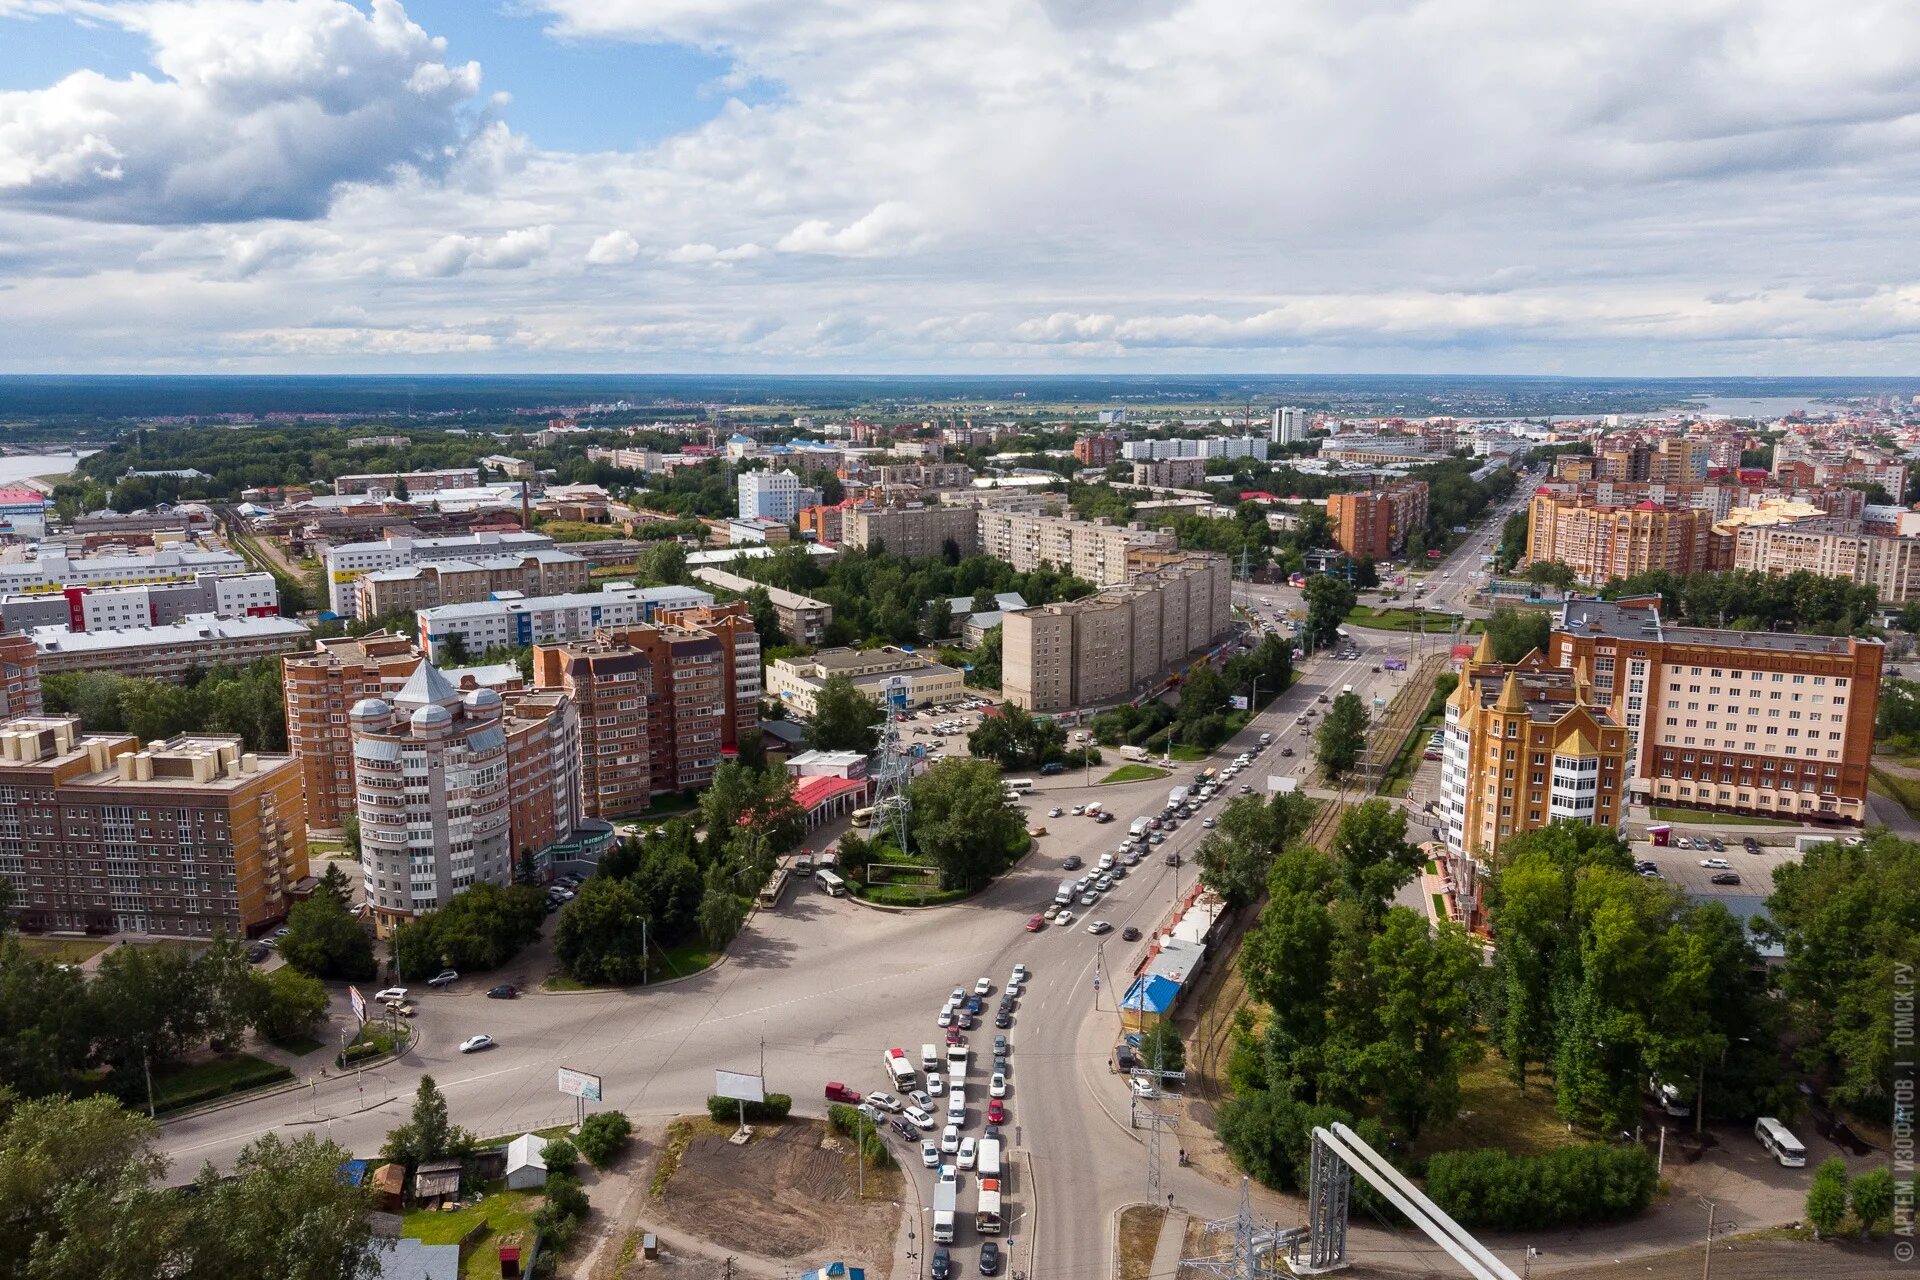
(579, 1084)
(1096, 983)
(359, 1003)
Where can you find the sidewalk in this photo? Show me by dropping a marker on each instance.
(1173, 1241)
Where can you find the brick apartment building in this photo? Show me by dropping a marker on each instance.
(1097, 450)
(1375, 524)
(407, 588)
(188, 837)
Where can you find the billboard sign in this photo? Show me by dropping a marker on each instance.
(578, 1084)
(742, 1086)
(359, 1003)
(1239, 702)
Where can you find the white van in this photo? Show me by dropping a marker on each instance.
(1106, 862)
(1779, 1142)
(929, 1058)
(956, 1106)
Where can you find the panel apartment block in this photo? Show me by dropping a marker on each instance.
(189, 837)
(1095, 550)
(913, 531)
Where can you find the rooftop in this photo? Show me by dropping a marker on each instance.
(1638, 618)
(193, 629)
(515, 603)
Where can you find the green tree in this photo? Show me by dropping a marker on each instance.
(986, 661)
(939, 620)
(1518, 632)
(1424, 981)
(665, 562)
(1371, 856)
(324, 940)
(284, 1212)
(1162, 1049)
(599, 936)
(720, 912)
(961, 820)
(603, 1136)
(560, 1156)
(1366, 576)
(291, 1004)
(1871, 1196)
(429, 1133)
(766, 619)
(1552, 573)
(1235, 856)
(334, 881)
(45, 1010)
(74, 1175)
(1827, 1197)
(1338, 741)
(844, 719)
(1513, 540)
(1329, 601)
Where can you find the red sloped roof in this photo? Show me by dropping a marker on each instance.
(808, 792)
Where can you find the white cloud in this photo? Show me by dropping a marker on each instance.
(261, 108)
(1606, 185)
(612, 248)
(453, 254)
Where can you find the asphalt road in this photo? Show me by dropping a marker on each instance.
(818, 988)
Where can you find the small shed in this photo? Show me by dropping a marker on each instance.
(437, 1180)
(526, 1171)
(389, 1185)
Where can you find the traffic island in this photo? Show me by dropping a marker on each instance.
(1136, 1237)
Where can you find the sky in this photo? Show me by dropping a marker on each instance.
(1605, 187)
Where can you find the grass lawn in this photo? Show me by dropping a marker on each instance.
(185, 1086)
(1707, 818)
(62, 950)
(300, 1046)
(1433, 868)
(1439, 906)
(664, 807)
(1494, 1113)
(1139, 1237)
(1902, 790)
(688, 957)
(913, 894)
(503, 1212)
(578, 530)
(1134, 773)
(1400, 776)
(1189, 753)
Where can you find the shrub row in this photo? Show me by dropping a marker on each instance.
(267, 1073)
(1570, 1187)
(873, 1148)
(726, 1110)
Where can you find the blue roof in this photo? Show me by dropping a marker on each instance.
(1152, 994)
(836, 1271)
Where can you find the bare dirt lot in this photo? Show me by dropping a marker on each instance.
(789, 1198)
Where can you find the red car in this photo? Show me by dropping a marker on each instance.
(837, 1092)
(1036, 923)
(996, 1111)
(954, 1036)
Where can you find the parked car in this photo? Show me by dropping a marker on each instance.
(474, 1044)
(967, 1153)
(1144, 1089)
(1750, 845)
(444, 978)
(1003, 1019)
(884, 1101)
(996, 1111)
(1064, 918)
(1718, 845)
(997, 1085)
(837, 1092)
(1716, 864)
(940, 1266)
(936, 1084)
(505, 991)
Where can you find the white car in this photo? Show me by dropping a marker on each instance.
(959, 996)
(1144, 1089)
(966, 1154)
(1098, 927)
(935, 1085)
(1020, 973)
(391, 993)
(950, 1139)
(997, 1085)
(930, 1155)
(1064, 918)
(1054, 812)
(919, 1119)
(474, 1044)
(920, 1098)
(884, 1101)
(1716, 864)
(948, 1175)
(984, 987)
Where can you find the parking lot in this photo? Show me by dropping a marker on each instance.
(1681, 867)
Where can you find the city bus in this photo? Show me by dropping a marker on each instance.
(1779, 1142)
(1018, 785)
(862, 817)
(830, 884)
(776, 886)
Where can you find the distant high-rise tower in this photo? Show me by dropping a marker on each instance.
(1289, 425)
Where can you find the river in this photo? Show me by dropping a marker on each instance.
(25, 466)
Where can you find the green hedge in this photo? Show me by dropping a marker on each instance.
(724, 1110)
(1574, 1186)
(873, 1147)
(265, 1073)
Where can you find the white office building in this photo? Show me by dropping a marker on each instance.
(770, 495)
(1195, 447)
(346, 563)
(511, 620)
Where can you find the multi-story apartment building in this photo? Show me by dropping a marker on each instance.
(19, 677)
(1375, 524)
(920, 475)
(803, 620)
(189, 837)
(1173, 473)
(1116, 643)
(236, 595)
(732, 625)
(1600, 543)
(1832, 549)
(1096, 550)
(913, 530)
(1097, 450)
(168, 652)
(437, 774)
(1195, 447)
(1383, 450)
(387, 484)
(823, 522)
(797, 681)
(385, 592)
(1771, 724)
(320, 687)
(1527, 744)
(769, 495)
(54, 570)
(346, 563)
(515, 622)
(1290, 425)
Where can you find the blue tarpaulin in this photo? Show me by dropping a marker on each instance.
(1151, 994)
(836, 1271)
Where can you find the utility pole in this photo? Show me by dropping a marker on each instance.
(1706, 1266)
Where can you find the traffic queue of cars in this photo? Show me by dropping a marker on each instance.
(928, 1106)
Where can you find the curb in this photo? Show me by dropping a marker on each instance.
(294, 1085)
(1113, 1234)
(637, 987)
